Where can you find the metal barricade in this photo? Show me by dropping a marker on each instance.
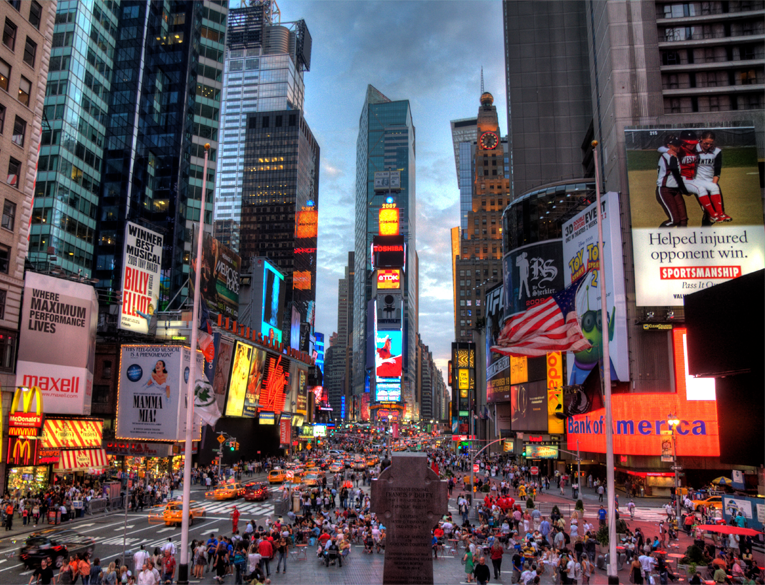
(97, 506)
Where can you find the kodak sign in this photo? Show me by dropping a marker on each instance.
(26, 408)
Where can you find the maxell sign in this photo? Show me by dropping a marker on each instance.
(57, 342)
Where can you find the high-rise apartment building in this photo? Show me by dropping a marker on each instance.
(464, 137)
(280, 207)
(264, 67)
(24, 59)
(386, 141)
(477, 261)
(130, 108)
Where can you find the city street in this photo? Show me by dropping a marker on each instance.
(111, 530)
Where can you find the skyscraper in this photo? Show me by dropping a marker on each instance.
(385, 142)
(130, 111)
(280, 209)
(484, 192)
(264, 67)
(24, 58)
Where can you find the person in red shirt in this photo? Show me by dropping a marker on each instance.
(266, 551)
(235, 520)
(168, 567)
(323, 538)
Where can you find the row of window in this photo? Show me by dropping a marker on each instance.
(722, 103)
(10, 31)
(25, 86)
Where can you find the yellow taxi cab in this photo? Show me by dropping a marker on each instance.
(172, 515)
(276, 475)
(710, 502)
(310, 464)
(372, 460)
(226, 491)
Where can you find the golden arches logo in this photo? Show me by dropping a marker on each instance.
(22, 451)
(26, 407)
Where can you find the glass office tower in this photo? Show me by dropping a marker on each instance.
(386, 141)
(133, 95)
(264, 68)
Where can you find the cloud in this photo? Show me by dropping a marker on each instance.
(431, 53)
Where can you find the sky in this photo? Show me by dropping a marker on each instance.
(431, 53)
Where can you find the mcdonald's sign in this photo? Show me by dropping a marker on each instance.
(26, 408)
(22, 451)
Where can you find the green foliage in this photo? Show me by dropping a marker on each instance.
(602, 535)
(693, 556)
(485, 488)
(529, 504)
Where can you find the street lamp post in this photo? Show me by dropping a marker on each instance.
(673, 422)
(390, 434)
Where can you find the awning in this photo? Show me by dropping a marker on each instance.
(90, 460)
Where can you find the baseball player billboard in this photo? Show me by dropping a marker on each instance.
(696, 209)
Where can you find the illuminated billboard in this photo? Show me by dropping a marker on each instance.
(528, 403)
(270, 316)
(389, 251)
(388, 220)
(389, 278)
(275, 384)
(541, 452)
(388, 365)
(580, 255)
(240, 371)
(555, 416)
(640, 420)
(497, 365)
(715, 212)
(301, 280)
(307, 223)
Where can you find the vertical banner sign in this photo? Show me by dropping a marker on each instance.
(532, 273)
(285, 432)
(717, 231)
(141, 265)
(555, 416)
(219, 284)
(497, 365)
(57, 342)
(580, 256)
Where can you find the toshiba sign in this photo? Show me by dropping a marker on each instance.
(389, 279)
(57, 342)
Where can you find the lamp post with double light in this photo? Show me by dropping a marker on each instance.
(673, 421)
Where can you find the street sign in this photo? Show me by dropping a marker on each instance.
(476, 468)
(221, 439)
(534, 471)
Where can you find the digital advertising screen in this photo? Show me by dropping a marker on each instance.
(240, 372)
(254, 383)
(541, 452)
(529, 406)
(388, 365)
(714, 212)
(271, 322)
(295, 330)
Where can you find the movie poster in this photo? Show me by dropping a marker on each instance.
(254, 383)
(240, 372)
(141, 265)
(224, 354)
(696, 207)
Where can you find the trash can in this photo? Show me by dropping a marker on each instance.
(54, 517)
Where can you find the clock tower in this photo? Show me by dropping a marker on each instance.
(478, 266)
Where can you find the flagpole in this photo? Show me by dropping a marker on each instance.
(613, 578)
(183, 567)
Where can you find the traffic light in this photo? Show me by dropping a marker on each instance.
(232, 445)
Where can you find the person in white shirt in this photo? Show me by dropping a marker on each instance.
(646, 563)
(169, 546)
(146, 577)
(571, 570)
(139, 558)
(528, 575)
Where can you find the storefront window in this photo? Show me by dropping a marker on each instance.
(27, 478)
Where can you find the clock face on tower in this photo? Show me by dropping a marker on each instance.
(489, 140)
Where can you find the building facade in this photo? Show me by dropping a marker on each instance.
(24, 60)
(478, 261)
(280, 207)
(386, 141)
(264, 66)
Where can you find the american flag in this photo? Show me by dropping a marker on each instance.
(552, 325)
